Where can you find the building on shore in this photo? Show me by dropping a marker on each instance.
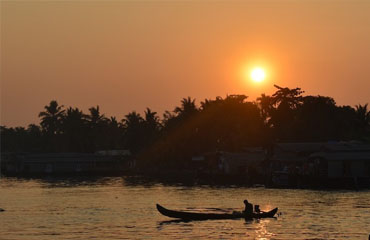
(288, 161)
(317, 164)
(333, 164)
(239, 167)
(103, 162)
(344, 166)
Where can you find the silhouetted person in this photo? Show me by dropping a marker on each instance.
(248, 211)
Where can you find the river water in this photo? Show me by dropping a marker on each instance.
(124, 208)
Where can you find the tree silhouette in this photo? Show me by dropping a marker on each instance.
(150, 127)
(113, 134)
(95, 118)
(363, 122)
(51, 117)
(34, 138)
(133, 124)
(285, 102)
(151, 120)
(287, 97)
(266, 104)
(97, 129)
(363, 116)
(315, 119)
(233, 122)
(187, 108)
(74, 130)
(221, 124)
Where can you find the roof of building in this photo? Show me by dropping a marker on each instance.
(63, 157)
(299, 147)
(116, 152)
(342, 156)
(288, 157)
(310, 147)
(243, 156)
(347, 146)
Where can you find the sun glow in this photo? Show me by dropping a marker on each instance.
(258, 74)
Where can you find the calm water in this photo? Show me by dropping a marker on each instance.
(121, 208)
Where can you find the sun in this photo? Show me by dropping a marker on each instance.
(258, 74)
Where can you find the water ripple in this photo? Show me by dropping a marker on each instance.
(122, 208)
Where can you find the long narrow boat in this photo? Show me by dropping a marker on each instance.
(205, 216)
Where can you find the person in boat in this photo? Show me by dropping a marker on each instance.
(248, 210)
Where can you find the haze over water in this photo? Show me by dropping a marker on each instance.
(124, 208)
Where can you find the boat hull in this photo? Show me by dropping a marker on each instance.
(205, 216)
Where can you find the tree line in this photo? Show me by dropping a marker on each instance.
(229, 124)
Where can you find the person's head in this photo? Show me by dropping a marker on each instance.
(245, 201)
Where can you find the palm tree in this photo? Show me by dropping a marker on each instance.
(74, 129)
(95, 117)
(151, 126)
(362, 118)
(113, 134)
(98, 124)
(363, 114)
(151, 120)
(168, 119)
(73, 119)
(133, 124)
(132, 120)
(187, 107)
(112, 122)
(207, 103)
(51, 118)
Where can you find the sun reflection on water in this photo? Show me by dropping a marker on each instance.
(261, 231)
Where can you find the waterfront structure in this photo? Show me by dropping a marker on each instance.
(312, 164)
(288, 162)
(333, 164)
(344, 164)
(66, 163)
(231, 167)
(230, 163)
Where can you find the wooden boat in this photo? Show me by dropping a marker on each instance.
(205, 216)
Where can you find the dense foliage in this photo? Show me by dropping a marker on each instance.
(229, 123)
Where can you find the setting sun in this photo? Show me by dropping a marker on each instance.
(258, 74)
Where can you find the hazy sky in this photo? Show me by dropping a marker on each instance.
(129, 55)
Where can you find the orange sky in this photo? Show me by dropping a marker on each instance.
(128, 55)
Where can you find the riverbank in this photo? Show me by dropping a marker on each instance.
(283, 165)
